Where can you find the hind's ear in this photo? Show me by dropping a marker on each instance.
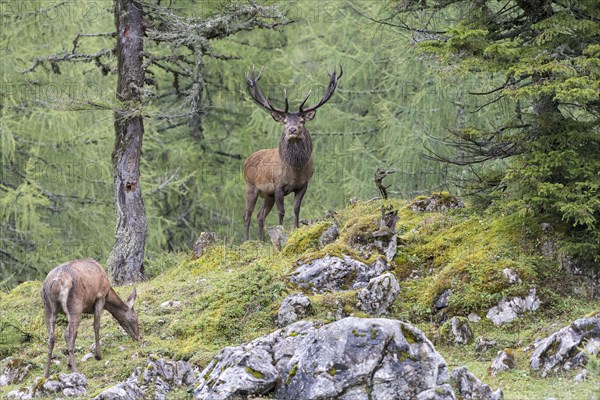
(131, 299)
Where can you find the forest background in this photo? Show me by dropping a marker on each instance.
(392, 106)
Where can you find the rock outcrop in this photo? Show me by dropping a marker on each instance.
(504, 361)
(468, 386)
(378, 296)
(437, 202)
(331, 273)
(330, 234)
(63, 385)
(158, 378)
(456, 331)
(293, 308)
(509, 310)
(354, 358)
(204, 241)
(14, 371)
(566, 348)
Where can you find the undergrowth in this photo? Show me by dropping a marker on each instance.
(189, 309)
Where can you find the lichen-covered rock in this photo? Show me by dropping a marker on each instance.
(67, 385)
(468, 386)
(378, 296)
(277, 235)
(567, 347)
(504, 361)
(204, 241)
(157, 379)
(330, 235)
(128, 390)
(437, 202)
(293, 308)
(509, 310)
(511, 276)
(443, 299)
(580, 377)
(14, 371)
(482, 345)
(333, 273)
(456, 331)
(354, 358)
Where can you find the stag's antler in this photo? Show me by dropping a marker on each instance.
(257, 95)
(333, 78)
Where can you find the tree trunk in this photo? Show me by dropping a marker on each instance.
(126, 260)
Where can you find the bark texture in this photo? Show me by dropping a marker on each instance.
(126, 260)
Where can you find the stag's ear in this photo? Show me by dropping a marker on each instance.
(131, 299)
(279, 117)
(309, 115)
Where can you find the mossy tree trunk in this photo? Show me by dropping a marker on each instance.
(126, 260)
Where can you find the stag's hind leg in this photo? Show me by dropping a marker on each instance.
(251, 196)
(262, 214)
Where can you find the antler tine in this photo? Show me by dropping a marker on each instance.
(287, 105)
(256, 94)
(305, 99)
(259, 73)
(333, 78)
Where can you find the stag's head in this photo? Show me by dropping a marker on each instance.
(293, 121)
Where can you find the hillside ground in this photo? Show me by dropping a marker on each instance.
(231, 294)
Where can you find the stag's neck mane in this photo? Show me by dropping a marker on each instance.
(295, 153)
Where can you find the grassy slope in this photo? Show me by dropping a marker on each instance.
(231, 294)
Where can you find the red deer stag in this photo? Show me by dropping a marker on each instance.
(81, 286)
(275, 173)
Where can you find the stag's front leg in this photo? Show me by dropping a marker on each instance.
(98, 307)
(70, 336)
(279, 195)
(297, 203)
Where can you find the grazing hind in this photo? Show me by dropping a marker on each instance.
(82, 286)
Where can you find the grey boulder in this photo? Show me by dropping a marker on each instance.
(468, 386)
(14, 371)
(379, 295)
(567, 347)
(331, 273)
(457, 331)
(509, 310)
(293, 308)
(504, 361)
(157, 379)
(67, 385)
(354, 358)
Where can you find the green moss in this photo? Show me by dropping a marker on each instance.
(302, 240)
(255, 373)
(374, 333)
(291, 374)
(293, 334)
(357, 333)
(409, 335)
(332, 371)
